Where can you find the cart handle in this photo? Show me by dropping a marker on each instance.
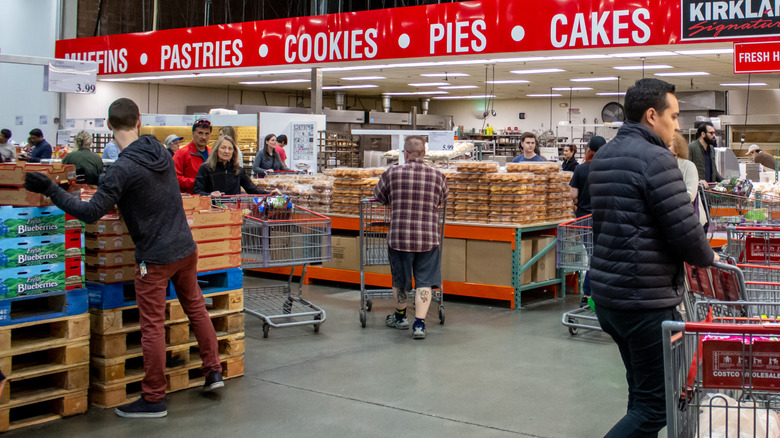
(766, 329)
(766, 228)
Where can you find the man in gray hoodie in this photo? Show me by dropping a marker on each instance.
(142, 183)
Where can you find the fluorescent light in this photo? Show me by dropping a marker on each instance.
(705, 51)
(464, 62)
(278, 81)
(457, 87)
(355, 67)
(428, 84)
(643, 54)
(526, 59)
(571, 88)
(414, 93)
(443, 75)
(348, 87)
(744, 84)
(642, 67)
(684, 73)
(481, 96)
(538, 70)
(612, 93)
(608, 78)
(574, 57)
(544, 95)
(511, 81)
(364, 78)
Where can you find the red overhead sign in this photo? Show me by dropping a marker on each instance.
(761, 57)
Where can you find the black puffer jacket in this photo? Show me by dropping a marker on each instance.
(223, 178)
(142, 183)
(643, 224)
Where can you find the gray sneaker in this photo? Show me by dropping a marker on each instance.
(419, 331)
(392, 321)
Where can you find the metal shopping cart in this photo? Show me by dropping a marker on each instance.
(574, 251)
(374, 225)
(728, 352)
(728, 209)
(271, 237)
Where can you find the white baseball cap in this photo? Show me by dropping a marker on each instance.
(753, 147)
(171, 138)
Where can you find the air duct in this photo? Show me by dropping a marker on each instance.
(424, 105)
(341, 97)
(386, 103)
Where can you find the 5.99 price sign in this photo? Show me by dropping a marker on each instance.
(68, 76)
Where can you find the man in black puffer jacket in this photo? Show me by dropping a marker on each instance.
(644, 228)
(142, 183)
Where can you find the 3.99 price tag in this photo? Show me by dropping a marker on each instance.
(66, 76)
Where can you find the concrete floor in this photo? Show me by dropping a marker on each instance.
(488, 372)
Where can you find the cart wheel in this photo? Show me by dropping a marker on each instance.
(266, 327)
(368, 306)
(317, 324)
(363, 318)
(441, 315)
(573, 330)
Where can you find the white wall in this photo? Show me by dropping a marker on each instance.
(30, 28)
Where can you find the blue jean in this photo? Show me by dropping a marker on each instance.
(638, 336)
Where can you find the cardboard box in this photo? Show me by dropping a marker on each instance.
(12, 174)
(110, 275)
(344, 254)
(30, 251)
(224, 261)
(213, 218)
(31, 221)
(489, 262)
(544, 269)
(20, 197)
(453, 260)
(377, 269)
(32, 280)
(195, 202)
(219, 247)
(110, 258)
(216, 233)
(98, 242)
(108, 224)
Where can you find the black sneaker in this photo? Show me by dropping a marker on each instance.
(584, 301)
(213, 381)
(143, 409)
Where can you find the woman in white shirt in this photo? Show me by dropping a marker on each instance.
(679, 148)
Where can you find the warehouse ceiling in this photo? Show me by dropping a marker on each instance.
(576, 73)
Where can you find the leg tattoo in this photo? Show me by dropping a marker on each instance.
(401, 296)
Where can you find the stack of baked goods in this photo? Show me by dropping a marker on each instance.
(350, 185)
(469, 199)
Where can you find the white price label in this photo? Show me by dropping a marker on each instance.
(441, 141)
(69, 76)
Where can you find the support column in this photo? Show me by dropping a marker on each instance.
(316, 90)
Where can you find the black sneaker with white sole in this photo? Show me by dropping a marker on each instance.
(213, 381)
(143, 409)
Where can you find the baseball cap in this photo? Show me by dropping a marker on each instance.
(171, 138)
(753, 147)
(596, 142)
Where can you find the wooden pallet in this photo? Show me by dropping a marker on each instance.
(44, 407)
(120, 344)
(35, 336)
(53, 359)
(129, 367)
(189, 376)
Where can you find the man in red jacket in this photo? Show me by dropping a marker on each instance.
(189, 158)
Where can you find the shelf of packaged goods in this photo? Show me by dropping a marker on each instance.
(493, 233)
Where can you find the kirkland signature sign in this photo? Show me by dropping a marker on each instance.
(706, 20)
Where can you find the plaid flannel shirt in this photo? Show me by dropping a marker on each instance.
(414, 192)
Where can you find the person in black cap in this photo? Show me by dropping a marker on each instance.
(581, 196)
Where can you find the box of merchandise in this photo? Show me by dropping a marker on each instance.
(195, 202)
(33, 280)
(214, 263)
(31, 221)
(216, 233)
(109, 243)
(213, 218)
(110, 258)
(108, 224)
(30, 251)
(20, 197)
(106, 275)
(13, 174)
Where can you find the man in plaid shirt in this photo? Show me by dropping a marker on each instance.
(414, 192)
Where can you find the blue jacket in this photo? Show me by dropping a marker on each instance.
(41, 151)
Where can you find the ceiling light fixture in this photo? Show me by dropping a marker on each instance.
(414, 93)
(643, 54)
(744, 84)
(642, 67)
(443, 75)
(479, 96)
(705, 51)
(457, 87)
(575, 57)
(597, 79)
(348, 87)
(684, 73)
(364, 78)
(278, 81)
(526, 59)
(544, 95)
(612, 93)
(537, 70)
(510, 81)
(355, 67)
(571, 88)
(428, 84)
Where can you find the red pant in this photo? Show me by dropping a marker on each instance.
(150, 294)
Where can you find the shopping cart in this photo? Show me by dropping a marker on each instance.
(574, 251)
(728, 209)
(374, 225)
(757, 244)
(278, 237)
(728, 352)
